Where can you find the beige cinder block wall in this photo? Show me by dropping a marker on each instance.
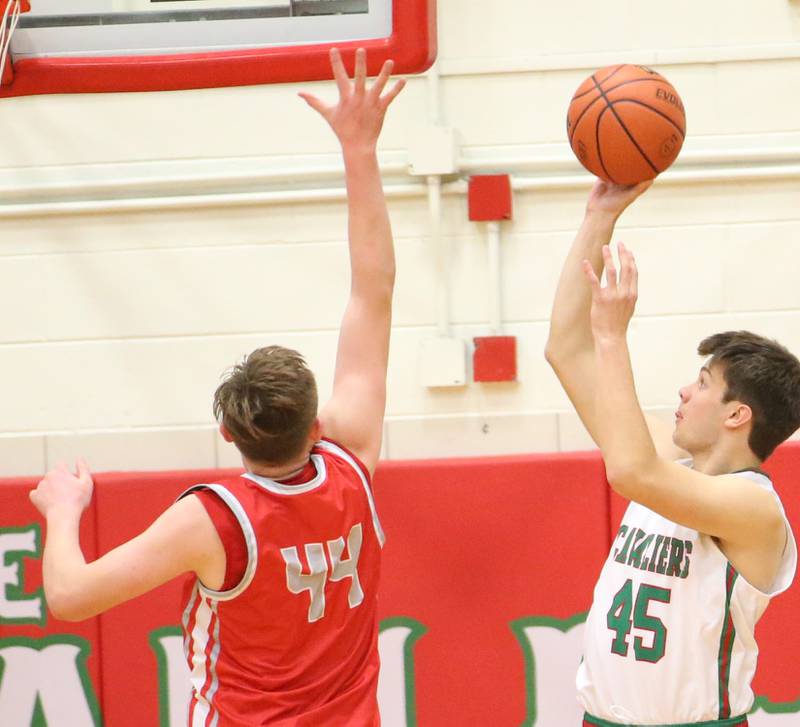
(142, 250)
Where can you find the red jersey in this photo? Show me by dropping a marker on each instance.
(295, 641)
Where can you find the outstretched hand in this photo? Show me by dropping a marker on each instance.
(62, 488)
(613, 305)
(358, 116)
(614, 198)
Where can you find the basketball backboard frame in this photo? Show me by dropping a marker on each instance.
(411, 43)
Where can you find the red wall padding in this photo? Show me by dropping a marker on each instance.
(472, 545)
(126, 503)
(17, 511)
(475, 544)
(778, 675)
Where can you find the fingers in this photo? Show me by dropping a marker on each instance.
(313, 102)
(359, 83)
(392, 95)
(629, 275)
(360, 77)
(382, 79)
(339, 73)
(611, 270)
(627, 279)
(591, 276)
(83, 470)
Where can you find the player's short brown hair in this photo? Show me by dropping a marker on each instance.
(268, 403)
(764, 375)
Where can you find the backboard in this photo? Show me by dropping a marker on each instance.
(85, 46)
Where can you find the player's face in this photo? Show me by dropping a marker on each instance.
(701, 415)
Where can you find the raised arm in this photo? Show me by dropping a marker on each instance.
(570, 347)
(354, 414)
(742, 515)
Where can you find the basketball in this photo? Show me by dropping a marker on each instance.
(626, 124)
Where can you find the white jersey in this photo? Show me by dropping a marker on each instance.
(670, 635)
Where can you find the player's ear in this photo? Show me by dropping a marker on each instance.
(740, 415)
(226, 435)
(315, 433)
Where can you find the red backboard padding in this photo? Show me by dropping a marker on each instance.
(412, 45)
(24, 6)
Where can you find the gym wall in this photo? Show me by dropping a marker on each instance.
(487, 575)
(136, 264)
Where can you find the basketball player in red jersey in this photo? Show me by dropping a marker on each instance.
(280, 625)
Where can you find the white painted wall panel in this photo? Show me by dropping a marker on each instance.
(135, 449)
(118, 325)
(472, 436)
(759, 270)
(194, 291)
(165, 382)
(233, 122)
(22, 455)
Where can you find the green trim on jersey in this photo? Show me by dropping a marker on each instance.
(726, 638)
(732, 722)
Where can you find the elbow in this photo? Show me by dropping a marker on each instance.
(553, 355)
(389, 280)
(627, 479)
(384, 293)
(65, 606)
(558, 352)
(377, 285)
(383, 275)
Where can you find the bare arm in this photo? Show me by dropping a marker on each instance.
(354, 414)
(570, 346)
(733, 509)
(183, 539)
(661, 434)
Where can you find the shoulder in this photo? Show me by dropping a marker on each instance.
(361, 442)
(760, 477)
(759, 484)
(188, 516)
(183, 535)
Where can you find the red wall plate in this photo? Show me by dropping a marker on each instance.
(490, 198)
(495, 358)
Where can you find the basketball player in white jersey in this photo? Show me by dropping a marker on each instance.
(705, 542)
